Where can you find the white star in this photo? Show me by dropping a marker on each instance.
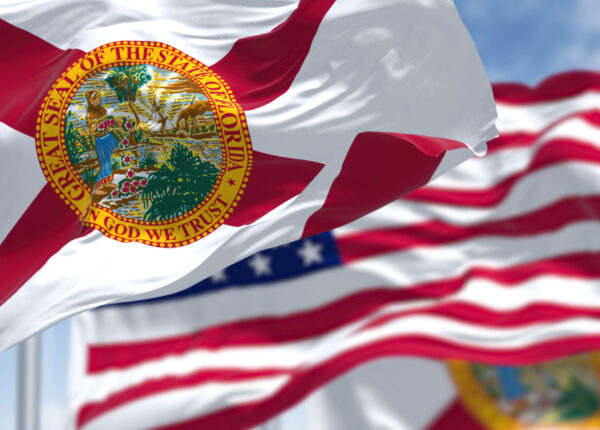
(220, 276)
(261, 264)
(310, 253)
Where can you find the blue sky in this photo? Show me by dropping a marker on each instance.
(527, 40)
(518, 40)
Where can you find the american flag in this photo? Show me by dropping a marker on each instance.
(496, 261)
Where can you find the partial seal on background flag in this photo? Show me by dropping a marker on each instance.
(148, 147)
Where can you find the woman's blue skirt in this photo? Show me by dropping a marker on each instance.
(105, 146)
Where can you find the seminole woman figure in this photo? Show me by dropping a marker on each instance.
(99, 125)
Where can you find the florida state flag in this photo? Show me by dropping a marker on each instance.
(144, 148)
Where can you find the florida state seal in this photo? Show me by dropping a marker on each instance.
(144, 144)
(562, 394)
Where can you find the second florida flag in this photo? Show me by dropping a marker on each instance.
(147, 147)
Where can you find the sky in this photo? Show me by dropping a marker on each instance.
(528, 40)
(518, 40)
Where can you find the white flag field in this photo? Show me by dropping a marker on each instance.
(147, 147)
(496, 261)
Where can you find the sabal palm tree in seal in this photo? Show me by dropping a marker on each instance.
(125, 81)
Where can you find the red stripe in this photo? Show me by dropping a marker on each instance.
(456, 417)
(551, 153)
(305, 380)
(378, 169)
(261, 68)
(592, 117)
(28, 66)
(302, 325)
(526, 139)
(45, 227)
(556, 87)
(92, 410)
(512, 140)
(370, 243)
(273, 181)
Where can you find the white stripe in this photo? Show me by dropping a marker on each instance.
(401, 269)
(471, 335)
(206, 29)
(482, 172)
(426, 264)
(20, 175)
(184, 404)
(535, 117)
(532, 192)
(547, 289)
(400, 213)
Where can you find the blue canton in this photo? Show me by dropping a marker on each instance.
(276, 264)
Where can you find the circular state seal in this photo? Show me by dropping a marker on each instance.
(562, 394)
(144, 143)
